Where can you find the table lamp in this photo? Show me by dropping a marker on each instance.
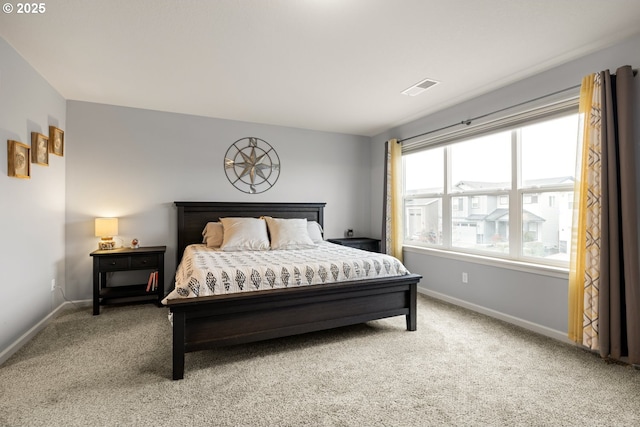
(106, 228)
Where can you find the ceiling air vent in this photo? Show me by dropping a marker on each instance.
(419, 87)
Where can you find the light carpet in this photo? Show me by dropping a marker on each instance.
(459, 368)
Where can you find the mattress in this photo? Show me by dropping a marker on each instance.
(205, 271)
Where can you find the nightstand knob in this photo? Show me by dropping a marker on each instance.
(113, 263)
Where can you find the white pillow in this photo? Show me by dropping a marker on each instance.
(244, 234)
(315, 231)
(289, 233)
(212, 234)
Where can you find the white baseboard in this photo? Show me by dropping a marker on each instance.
(534, 327)
(27, 336)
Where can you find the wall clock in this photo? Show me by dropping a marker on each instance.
(252, 165)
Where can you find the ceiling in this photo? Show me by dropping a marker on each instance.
(329, 65)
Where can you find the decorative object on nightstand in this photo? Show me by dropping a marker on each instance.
(135, 243)
(105, 262)
(106, 228)
(365, 243)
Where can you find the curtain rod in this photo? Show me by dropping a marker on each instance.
(469, 121)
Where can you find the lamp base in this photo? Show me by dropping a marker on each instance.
(106, 244)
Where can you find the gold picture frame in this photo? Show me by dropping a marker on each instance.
(18, 157)
(39, 149)
(56, 141)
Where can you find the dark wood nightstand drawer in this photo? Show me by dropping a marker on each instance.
(146, 261)
(114, 263)
(365, 243)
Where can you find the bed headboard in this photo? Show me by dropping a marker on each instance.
(193, 216)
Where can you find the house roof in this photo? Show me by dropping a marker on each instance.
(541, 182)
(503, 214)
(545, 182)
(480, 185)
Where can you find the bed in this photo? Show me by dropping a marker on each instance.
(206, 322)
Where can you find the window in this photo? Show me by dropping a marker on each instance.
(506, 193)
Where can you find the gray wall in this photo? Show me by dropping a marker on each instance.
(134, 164)
(534, 300)
(32, 215)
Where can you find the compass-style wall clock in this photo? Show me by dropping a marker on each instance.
(252, 165)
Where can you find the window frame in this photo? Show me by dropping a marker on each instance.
(516, 193)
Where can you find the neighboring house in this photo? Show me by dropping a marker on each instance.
(481, 221)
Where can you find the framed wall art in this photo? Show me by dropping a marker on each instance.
(39, 149)
(18, 160)
(56, 141)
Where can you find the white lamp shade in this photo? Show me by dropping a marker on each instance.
(106, 227)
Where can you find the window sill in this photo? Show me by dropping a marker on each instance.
(527, 267)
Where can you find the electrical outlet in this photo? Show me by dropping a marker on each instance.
(465, 278)
(53, 285)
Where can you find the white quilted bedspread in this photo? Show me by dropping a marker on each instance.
(204, 271)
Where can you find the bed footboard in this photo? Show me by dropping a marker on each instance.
(215, 321)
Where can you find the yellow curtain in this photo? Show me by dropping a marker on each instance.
(394, 235)
(585, 240)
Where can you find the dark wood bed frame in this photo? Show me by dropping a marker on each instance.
(214, 321)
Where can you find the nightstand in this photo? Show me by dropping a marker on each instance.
(366, 243)
(149, 258)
